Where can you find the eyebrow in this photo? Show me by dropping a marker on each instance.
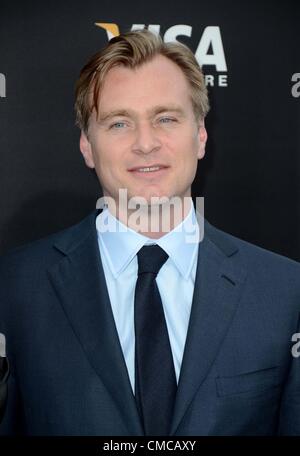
(104, 116)
(168, 108)
(116, 113)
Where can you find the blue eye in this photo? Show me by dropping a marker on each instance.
(166, 120)
(118, 125)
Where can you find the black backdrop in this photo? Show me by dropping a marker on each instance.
(250, 175)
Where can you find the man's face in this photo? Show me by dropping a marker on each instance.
(145, 119)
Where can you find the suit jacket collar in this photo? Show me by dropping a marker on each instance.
(79, 281)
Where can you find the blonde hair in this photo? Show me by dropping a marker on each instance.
(132, 49)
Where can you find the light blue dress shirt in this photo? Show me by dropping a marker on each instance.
(118, 247)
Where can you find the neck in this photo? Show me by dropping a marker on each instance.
(155, 220)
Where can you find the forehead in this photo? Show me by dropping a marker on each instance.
(159, 80)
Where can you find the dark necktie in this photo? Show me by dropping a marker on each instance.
(155, 380)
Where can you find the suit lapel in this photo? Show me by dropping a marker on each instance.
(81, 287)
(218, 286)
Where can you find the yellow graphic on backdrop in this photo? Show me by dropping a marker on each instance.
(112, 30)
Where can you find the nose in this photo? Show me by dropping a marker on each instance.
(146, 139)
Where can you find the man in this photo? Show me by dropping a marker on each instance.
(116, 328)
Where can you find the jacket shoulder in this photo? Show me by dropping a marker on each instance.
(254, 256)
(49, 248)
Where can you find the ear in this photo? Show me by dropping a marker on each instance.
(202, 138)
(86, 150)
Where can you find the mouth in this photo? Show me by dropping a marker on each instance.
(149, 171)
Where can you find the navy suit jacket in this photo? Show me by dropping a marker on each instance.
(68, 374)
(4, 372)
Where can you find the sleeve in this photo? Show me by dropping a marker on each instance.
(4, 374)
(10, 400)
(10, 407)
(289, 414)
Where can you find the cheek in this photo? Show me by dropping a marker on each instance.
(187, 153)
(104, 157)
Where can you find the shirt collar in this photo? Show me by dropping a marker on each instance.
(120, 243)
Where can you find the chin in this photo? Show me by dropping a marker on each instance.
(157, 196)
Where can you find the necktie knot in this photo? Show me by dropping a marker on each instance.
(151, 258)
